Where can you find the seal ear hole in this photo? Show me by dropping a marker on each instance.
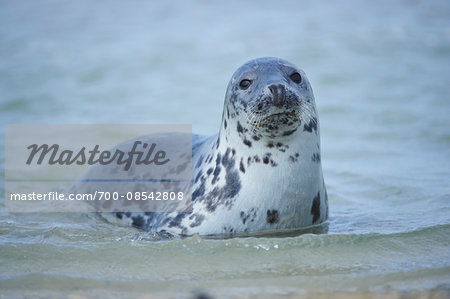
(296, 77)
(244, 84)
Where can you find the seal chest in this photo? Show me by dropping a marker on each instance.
(262, 171)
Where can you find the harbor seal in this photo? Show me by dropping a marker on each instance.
(262, 171)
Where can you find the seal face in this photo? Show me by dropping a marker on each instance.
(262, 171)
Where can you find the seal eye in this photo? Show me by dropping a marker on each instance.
(296, 77)
(244, 84)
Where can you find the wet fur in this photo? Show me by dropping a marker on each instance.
(262, 171)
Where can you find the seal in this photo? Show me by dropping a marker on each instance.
(262, 171)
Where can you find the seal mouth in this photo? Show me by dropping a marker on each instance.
(276, 117)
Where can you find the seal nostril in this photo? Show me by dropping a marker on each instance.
(278, 94)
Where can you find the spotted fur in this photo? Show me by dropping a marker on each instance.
(262, 171)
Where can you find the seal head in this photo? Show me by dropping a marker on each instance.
(268, 98)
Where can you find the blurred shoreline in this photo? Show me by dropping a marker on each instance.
(436, 293)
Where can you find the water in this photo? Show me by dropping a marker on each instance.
(380, 73)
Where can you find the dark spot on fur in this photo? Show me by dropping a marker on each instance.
(272, 216)
(225, 159)
(218, 159)
(212, 200)
(225, 123)
(270, 145)
(315, 208)
(241, 166)
(266, 160)
(292, 159)
(256, 138)
(312, 125)
(239, 128)
(199, 174)
(316, 157)
(138, 221)
(256, 158)
(176, 221)
(198, 219)
(228, 229)
(290, 132)
(224, 195)
(242, 215)
(199, 191)
(247, 142)
(217, 142)
(232, 184)
(273, 163)
(209, 171)
(216, 175)
(199, 162)
(250, 216)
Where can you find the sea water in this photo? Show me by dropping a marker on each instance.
(380, 74)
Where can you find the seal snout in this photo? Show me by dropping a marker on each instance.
(277, 98)
(278, 106)
(278, 95)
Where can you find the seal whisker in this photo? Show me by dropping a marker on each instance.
(307, 112)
